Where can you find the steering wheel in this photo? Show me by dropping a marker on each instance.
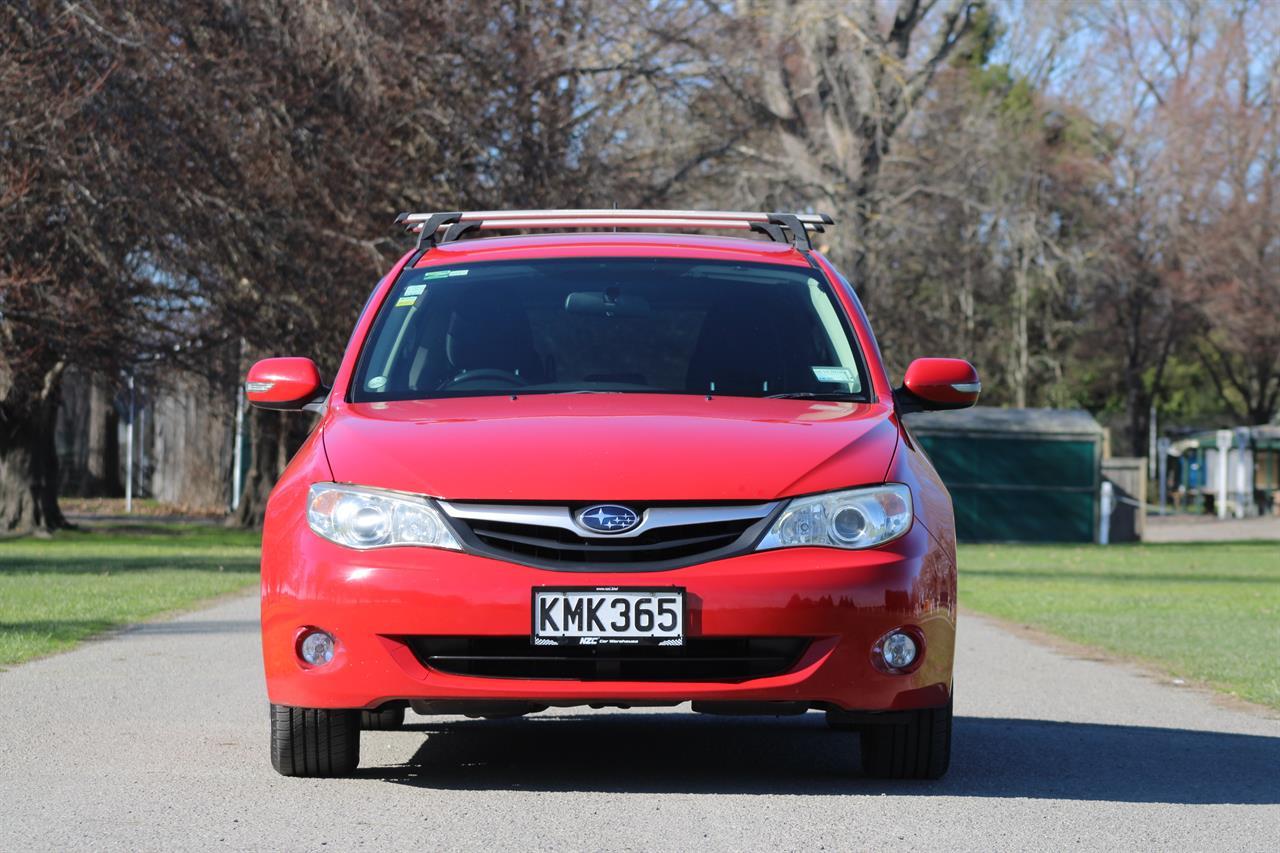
(486, 373)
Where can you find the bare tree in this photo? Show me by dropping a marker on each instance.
(1200, 156)
(985, 232)
(1230, 194)
(81, 214)
(823, 89)
(189, 186)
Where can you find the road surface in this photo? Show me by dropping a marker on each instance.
(1207, 528)
(156, 739)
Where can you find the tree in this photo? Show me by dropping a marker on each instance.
(1231, 206)
(189, 186)
(252, 157)
(80, 210)
(986, 229)
(320, 127)
(1133, 62)
(814, 94)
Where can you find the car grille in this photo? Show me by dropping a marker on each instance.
(546, 537)
(699, 659)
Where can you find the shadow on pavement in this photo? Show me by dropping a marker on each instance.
(638, 752)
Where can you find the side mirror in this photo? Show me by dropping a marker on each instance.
(932, 384)
(286, 384)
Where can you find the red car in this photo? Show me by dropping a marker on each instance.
(618, 469)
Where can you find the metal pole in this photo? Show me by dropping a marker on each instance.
(1151, 443)
(1104, 516)
(1162, 467)
(128, 444)
(237, 452)
(142, 450)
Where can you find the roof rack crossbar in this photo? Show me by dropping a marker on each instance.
(776, 225)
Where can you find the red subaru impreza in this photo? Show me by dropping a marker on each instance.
(617, 469)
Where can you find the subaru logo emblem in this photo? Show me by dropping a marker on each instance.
(607, 518)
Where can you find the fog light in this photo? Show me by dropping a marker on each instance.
(316, 648)
(898, 650)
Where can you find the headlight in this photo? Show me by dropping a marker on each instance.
(371, 518)
(857, 518)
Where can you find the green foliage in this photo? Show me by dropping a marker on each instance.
(1188, 396)
(1016, 97)
(56, 592)
(1203, 611)
(984, 34)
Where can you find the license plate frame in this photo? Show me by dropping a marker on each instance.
(616, 637)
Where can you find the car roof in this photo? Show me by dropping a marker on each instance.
(620, 244)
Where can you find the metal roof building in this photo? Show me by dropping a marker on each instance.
(1020, 475)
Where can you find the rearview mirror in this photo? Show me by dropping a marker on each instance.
(933, 384)
(285, 384)
(608, 303)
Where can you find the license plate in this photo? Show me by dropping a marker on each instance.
(590, 616)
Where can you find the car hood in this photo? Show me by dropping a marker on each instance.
(620, 447)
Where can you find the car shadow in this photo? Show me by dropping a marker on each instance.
(642, 752)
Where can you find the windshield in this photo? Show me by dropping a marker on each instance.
(609, 325)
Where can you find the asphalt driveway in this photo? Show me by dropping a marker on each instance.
(157, 740)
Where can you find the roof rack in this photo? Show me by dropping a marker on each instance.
(445, 227)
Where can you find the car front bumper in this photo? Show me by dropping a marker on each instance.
(370, 601)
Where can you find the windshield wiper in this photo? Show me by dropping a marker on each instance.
(843, 396)
(588, 391)
(605, 391)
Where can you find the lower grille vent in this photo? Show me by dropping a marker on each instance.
(699, 659)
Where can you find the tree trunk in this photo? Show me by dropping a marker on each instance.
(102, 475)
(1021, 355)
(1138, 413)
(192, 421)
(19, 493)
(265, 465)
(29, 465)
(273, 439)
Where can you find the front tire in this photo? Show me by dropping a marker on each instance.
(917, 747)
(314, 741)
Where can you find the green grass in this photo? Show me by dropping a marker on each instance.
(1207, 611)
(56, 592)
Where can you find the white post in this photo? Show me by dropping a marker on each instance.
(1104, 514)
(237, 452)
(142, 450)
(128, 445)
(1243, 485)
(1224, 451)
(1162, 469)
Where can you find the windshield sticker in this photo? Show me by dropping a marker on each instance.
(414, 289)
(443, 274)
(406, 301)
(833, 374)
(376, 383)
